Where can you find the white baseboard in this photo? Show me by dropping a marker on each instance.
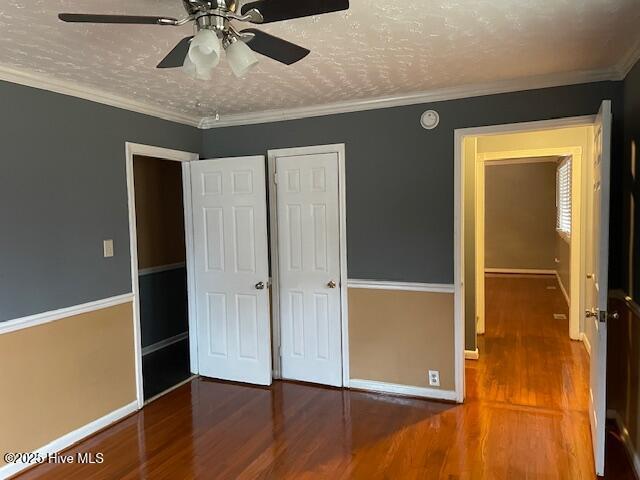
(71, 438)
(164, 343)
(384, 387)
(564, 290)
(520, 271)
(626, 440)
(471, 354)
(585, 341)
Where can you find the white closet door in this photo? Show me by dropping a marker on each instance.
(309, 267)
(231, 269)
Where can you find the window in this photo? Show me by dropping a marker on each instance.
(563, 198)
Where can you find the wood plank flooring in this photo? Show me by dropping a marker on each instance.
(525, 417)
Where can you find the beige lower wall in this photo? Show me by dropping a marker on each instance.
(398, 336)
(62, 375)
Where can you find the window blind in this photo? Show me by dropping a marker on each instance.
(563, 198)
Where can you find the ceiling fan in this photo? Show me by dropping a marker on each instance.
(199, 54)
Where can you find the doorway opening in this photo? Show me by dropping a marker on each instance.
(529, 263)
(159, 222)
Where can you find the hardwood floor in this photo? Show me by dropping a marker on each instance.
(525, 417)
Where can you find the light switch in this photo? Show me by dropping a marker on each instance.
(107, 246)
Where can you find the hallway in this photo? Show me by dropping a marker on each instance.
(525, 417)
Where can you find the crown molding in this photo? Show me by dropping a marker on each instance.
(43, 82)
(629, 60)
(437, 95)
(64, 87)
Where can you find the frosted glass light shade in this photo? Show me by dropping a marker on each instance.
(205, 50)
(189, 68)
(241, 58)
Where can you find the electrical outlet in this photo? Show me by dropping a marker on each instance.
(107, 248)
(434, 378)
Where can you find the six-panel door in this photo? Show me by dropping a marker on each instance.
(309, 267)
(231, 269)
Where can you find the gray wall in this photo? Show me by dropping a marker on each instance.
(64, 188)
(621, 197)
(623, 349)
(63, 191)
(520, 215)
(400, 176)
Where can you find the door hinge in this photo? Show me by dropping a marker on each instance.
(275, 177)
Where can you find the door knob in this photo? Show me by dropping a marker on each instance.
(613, 316)
(331, 284)
(590, 275)
(260, 286)
(591, 313)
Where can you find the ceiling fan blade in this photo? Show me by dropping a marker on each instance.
(277, 10)
(175, 58)
(131, 19)
(274, 47)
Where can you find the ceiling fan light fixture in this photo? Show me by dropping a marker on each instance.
(191, 70)
(240, 57)
(205, 50)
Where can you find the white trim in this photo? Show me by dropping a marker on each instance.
(585, 341)
(272, 155)
(161, 268)
(72, 88)
(132, 149)
(626, 439)
(629, 60)
(164, 343)
(471, 354)
(521, 271)
(71, 438)
(436, 95)
(394, 388)
(458, 266)
(536, 125)
(458, 234)
(44, 82)
(480, 237)
(53, 315)
(564, 290)
(405, 286)
(191, 268)
(518, 161)
(577, 219)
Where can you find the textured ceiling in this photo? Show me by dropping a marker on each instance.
(377, 48)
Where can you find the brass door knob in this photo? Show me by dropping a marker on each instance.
(332, 284)
(591, 313)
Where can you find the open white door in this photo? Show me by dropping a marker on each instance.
(308, 211)
(231, 269)
(596, 314)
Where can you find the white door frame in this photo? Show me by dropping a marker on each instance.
(458, 228)
(577, 242)
(132, 149)
(273, 230)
